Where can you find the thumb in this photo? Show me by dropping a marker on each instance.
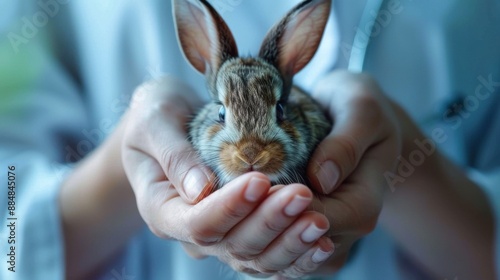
(358, 124)
(334, 159)
(182, 167)
(166, 141)
(177, 157)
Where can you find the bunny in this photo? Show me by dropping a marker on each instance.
(257, 120)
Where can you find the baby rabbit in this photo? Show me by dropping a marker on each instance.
(257, 120)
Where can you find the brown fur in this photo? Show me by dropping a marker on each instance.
(252, 136)
(252, 155)
(251, 77)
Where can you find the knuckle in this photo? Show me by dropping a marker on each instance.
(167, 157)
(172, 156)
(306, 267)
(293, 248)
(167, 106)
(242, 268)
(233, 212)
(374, 110)
(350, 148)
(265, 267)
(297, 271)
(241, 257)
(202, 237)
(370, 105)
(241, 251)
(163, 83)
(269, 227)
(145, 93)
(290, 250)
(203, 240)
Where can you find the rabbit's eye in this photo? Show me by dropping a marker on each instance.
(222, 114)
(280, 112)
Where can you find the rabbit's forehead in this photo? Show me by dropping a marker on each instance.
(252, 84)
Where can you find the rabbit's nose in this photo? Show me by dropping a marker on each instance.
(251, 153)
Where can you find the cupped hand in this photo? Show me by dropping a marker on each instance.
(348, 166)
(245, 224)
(258, 230)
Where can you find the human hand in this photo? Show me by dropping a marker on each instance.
(348, 165)
(242, 223)
(277, 237)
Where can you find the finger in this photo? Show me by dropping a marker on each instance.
(160, 131)
(359, 124)
(249, 238)
(310, 261)
(209, 221)
(353, 209)
(364, 196)
(293, 243)
(182, 166)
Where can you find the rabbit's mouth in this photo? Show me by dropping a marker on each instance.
(250, 155)
(250, 168)
(262, 169)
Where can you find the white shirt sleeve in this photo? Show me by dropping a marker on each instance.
(41, 111)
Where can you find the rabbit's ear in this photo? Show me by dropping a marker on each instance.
(203, 35)
(292, 42)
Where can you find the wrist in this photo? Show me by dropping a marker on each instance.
(99, 179)
(97, 206)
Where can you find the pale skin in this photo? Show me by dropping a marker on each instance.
(140, 175)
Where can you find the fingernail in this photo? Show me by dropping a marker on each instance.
(326, 248)
(255, 189)
(297, 205)
(312, 233)
(328, 175)
(320, 256)
(194, 182)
